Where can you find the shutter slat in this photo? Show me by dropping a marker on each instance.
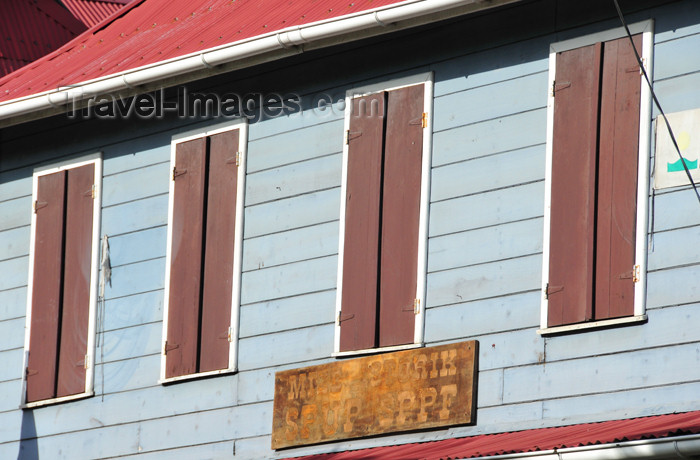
(46, 288)
(617, 180)
(218, 258)
(76, 280)
(362, 214)
(573, 186)
(186, 258)
(400, 215)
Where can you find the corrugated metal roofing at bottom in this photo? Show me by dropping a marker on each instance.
(541, 439)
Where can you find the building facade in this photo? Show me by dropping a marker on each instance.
(475, 174)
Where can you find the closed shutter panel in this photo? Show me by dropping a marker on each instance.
(46, 287)
(218, 258)
(400, 215)
(186, 258)
(617, 179)
(571, 252)
(76, 280)
(358, 316)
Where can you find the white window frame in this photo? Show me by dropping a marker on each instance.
(96, 160)
(242, 126)
(426, 79)
(646, 29)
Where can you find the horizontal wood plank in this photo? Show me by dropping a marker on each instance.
(285, 148)
(288, 280)
(295, 179)
(290, 213)
(14, 242)
(484, 281)
(295, 346)
(487, 244)
(489, 173)
(491, 101)
(135, 215)
(473, 319)
(136, 184)
(486, 209)
(290, 246)
(300, 311)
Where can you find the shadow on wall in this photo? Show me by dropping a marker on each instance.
(28, 444)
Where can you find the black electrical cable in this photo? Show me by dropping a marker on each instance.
(656, 100)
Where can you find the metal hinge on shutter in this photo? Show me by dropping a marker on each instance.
(238, 158)
(167, 347)
(86, 362)
(342, 318)
(415, 308)
(38, 205)
(424, 120)
(230, 334)
(90, 192)
(347, 137)
(178, 172)
(558, 87)
(632, 274)
(549, 290)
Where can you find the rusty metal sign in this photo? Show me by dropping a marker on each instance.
(386, 393)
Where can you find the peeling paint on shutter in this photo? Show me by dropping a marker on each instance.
(218, 254)
(573, 185)
(358, 317)
(46, 287)
(186, 259)
(76, 280)
(400, 215)
(617, 179)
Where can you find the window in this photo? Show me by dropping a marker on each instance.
(62, 283)
(596, 184)
(205, 230)
(381, 271)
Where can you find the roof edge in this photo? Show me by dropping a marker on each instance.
(685, 446)
(244, 53)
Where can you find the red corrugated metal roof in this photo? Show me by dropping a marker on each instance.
(91, 12)
(150, 31)
(542, 439)
(31, 29)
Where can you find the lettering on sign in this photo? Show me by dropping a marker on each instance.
(386, 393)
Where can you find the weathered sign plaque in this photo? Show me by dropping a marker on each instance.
(386, 393)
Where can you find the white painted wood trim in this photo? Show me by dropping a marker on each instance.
(96, 160)
(646, 29)
(374, 351)
(636, 319)
(642, 27)
(547, 190)
(242, 126)
(48, 402)
(643, 178)
(196, 376)
(425, 79)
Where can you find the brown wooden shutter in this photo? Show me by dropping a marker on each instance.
(617, 179)
(358, 317)
(76, 280)
(218, 258)
(400, 215)
(571, 256)
(186, 258)
(46, 287)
